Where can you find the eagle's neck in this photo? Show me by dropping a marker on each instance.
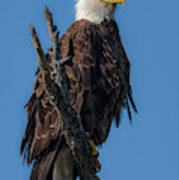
(94, 10)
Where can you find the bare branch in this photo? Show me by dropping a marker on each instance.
(56, 86)
(53, 31)
(38, 47)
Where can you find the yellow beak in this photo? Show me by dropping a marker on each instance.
(114, 1)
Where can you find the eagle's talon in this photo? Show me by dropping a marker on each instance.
(95, 152)
(98, 164)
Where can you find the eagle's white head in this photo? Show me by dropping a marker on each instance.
(96, 10)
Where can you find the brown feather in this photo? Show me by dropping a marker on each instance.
(98, 81)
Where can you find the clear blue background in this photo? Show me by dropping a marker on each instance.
(147, 150)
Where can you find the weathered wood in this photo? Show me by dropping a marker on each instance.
(56, 86)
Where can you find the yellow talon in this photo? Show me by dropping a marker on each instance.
(94, 151)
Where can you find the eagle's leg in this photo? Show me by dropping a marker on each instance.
(64, 168)
(94, 152)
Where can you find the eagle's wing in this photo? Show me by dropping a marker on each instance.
(40, 142)
(116, 69)
(98, 75)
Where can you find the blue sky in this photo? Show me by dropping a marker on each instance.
(150, 32)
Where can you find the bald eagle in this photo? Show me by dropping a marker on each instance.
(98, 75)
